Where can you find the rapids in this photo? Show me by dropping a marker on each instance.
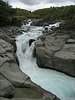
(61, 85)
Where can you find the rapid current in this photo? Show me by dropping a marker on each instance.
(61, 85)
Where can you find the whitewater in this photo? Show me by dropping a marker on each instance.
(58, 83)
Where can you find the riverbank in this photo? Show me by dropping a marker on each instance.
(12, 80)
(55, 49)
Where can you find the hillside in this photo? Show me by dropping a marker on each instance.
(5, 13)
(56, 13)
(21, 13)
(10, 15)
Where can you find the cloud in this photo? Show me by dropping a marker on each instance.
(31, 2)
(38, 4)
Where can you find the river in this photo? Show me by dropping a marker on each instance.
(61, 85)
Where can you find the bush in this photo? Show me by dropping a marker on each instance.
(68, 25)
(5, 17)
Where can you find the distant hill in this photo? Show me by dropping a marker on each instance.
(7, 13)
(56, 13)
(21, 13)
(52, 13)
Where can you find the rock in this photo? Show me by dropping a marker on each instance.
(34, 52)
(39, 22)
(26, 99)
(13, 74)
(11, 41)
(5, 46)
(12, 80)
(36, 93)
(6, 88)
(31, 41)
(8, 65)
(16, 58)
(65, 58)
(56, 52)
(1, 98)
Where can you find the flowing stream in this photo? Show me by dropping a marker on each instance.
(61, 85)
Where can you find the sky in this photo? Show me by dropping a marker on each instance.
(38, 4)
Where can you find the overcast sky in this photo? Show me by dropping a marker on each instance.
(37, 4)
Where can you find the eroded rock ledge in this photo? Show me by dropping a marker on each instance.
(56, 50)
(14, 84)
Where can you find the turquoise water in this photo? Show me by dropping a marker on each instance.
(61, 85)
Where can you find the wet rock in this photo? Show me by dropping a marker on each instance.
(34, 52)
(31, 41)
(14, 77)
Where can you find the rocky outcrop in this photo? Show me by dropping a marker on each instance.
(6, 88)
(25, 99)
(40, 22)
(14, 84)
(43, 22)
(56, 51)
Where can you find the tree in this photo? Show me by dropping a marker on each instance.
(5, 16)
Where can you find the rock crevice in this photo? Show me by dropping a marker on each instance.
(12, 80)
(56, 51)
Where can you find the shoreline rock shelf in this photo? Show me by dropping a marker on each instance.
(12, 79)
(56, 51)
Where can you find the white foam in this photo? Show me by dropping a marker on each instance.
(58, 83)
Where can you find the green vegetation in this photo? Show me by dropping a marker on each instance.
(21, 13)
(52, 13)
(55, 13)
(68, 25)
(5, 13)
(9, 15)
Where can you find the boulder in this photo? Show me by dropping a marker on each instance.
(13, 74)
(39, 22)
(8, 65)
(56, 52)
(13, 81)
(65, 59)
(6, 88)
